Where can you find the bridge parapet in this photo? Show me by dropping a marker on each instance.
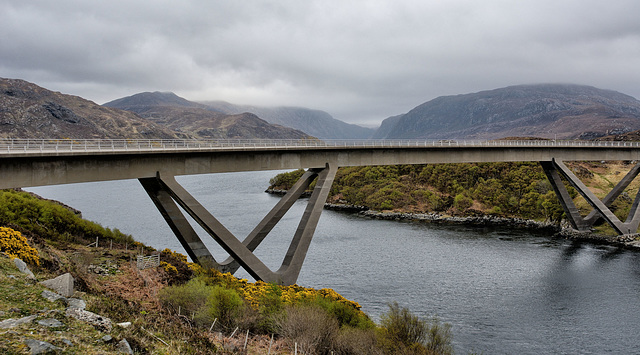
(20, 146)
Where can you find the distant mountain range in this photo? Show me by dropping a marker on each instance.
(314, 122)
(176, 113)
(30, 111)
(545, 111)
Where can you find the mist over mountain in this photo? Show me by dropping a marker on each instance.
(179, 114)
(544, 110)
(314, 122)
(30, 111)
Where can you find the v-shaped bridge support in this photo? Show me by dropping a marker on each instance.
(167, 194)
(555, 169)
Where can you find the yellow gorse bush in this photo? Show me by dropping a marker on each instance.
(257, 291)
(16, 246)
(168, 267)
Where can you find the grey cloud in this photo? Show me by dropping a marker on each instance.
(358, 60)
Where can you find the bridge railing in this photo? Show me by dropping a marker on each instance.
(17, 145)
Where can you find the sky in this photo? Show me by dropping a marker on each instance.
(361, 61)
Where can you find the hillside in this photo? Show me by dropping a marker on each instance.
(192, 118)
(470, 193)
(30, 111)
(112, 306)
(315, 122)
(546, 110)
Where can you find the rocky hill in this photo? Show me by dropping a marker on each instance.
(315, 122)
(196, 119)
(545, 110)
(30, 111)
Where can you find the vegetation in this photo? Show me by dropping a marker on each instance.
(501, 189)
(178, 307)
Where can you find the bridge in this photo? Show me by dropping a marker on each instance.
(155, 163)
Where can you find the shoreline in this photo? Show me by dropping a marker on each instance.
(555, 230)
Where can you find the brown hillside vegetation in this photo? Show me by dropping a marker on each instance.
(30, 111)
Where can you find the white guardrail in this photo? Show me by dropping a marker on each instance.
(15, 145)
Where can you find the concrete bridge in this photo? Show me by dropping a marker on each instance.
(155, 163)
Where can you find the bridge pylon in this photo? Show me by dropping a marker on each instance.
(167, 194)
(555, 169)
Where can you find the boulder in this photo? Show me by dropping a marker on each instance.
(50, 322)
(22, 266)
(51, 296)
(12, 323)
(62, 284)
(98, 321)
(124, 347)
(41, 347)
(75, 303)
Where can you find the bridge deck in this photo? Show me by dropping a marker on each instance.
(37, 162)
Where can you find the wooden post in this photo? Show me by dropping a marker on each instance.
(246, 338)
(270, 342)
(212, 324)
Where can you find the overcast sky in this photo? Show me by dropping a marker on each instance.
(361, 61)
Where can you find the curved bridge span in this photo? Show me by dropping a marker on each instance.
(155, 163)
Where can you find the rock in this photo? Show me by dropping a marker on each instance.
(22, 266)
(107, 338)
(100, 322)
(51, 296)
(12, 323)
(124, 347)
(41, 347)
(75, 303)
(51, 323)
(67, 342)
(124, 324)
(62, 284)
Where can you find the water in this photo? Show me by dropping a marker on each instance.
(503, 291)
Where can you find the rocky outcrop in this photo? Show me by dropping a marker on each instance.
(486, 220)
(30, 111)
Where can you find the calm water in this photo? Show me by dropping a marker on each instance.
(503, 292)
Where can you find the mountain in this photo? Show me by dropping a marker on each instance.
(315, 122)
(30, 111)
(545, 110)
(192, 118)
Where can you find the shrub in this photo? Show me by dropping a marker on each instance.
(357, 341)
(189, 297)
(404, 332)
(225, 305)
(403, 327)
(16, 246)
(462, 202)
(310, 327)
